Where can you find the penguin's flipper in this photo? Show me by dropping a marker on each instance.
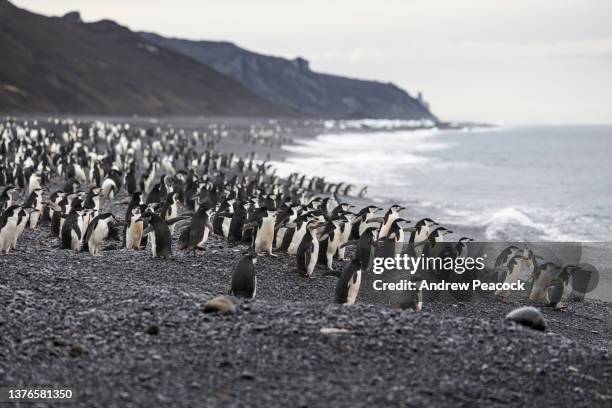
(176, 220)
(147, 231)
(53, 206)
(409, 229)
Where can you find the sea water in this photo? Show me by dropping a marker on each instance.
(549, 183)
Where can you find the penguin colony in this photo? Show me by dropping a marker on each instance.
(178, 184)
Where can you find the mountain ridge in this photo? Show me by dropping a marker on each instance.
(294, 84)
(65, 65)
(62, 65)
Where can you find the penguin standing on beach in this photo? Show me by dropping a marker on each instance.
(134, 227)
(35, 201)
(300, 228)
(308, 250)
(196, 234)
(102, 227)
(501, 263)
(159, 234)
(130, 179)
(345, 235)
(169, 209)
(329, 245)
(461, 248)
(360, 222)
(72, 229)
(264, 235)
(347, 287)
(9, 222)
(112, 184)
(24, 219)
(394, 239)
(6, 198)
(391, 215)
(244, 277)
(542, 278)
(513, 272)
(559, 288)
(421, 230)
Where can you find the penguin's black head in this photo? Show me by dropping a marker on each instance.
(441, 231)
(397, 208)
(567, 271)
(429, 221)
(371, 229)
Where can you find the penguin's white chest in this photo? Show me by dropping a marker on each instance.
(400, 236)
(353, 287)
(204, 237)
(422, 235)
(312, 262)
(99, 233)
(8, 234)
(332, 245)
(297, 238)
(280, 236)
(133, 235)
(364, 224)
(385, 228)
(153, 246)
(225, 226)
(265, 235)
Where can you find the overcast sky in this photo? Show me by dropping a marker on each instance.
(511, 61)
